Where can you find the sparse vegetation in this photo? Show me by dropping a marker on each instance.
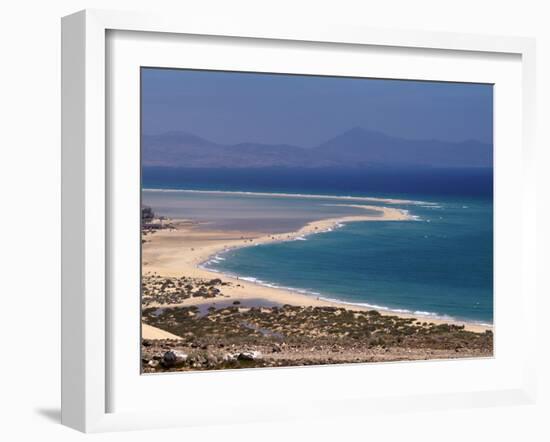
(292, 335)
(162, 290)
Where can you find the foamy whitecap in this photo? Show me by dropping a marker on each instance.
(411, 217)
(431, 206)
(398, 310)
(250, 279)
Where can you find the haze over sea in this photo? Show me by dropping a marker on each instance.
(440, 264)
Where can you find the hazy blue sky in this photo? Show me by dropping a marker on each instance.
(307, 110)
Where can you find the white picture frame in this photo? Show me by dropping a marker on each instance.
(86, 210)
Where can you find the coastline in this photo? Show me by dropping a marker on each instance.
(183, 250)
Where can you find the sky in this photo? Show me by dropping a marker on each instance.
(235, 107)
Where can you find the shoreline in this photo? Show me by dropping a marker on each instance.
(185, 249)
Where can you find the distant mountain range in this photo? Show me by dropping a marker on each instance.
(355, 148)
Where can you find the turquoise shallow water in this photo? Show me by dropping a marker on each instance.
(440, 264)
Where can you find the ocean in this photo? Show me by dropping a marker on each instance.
(439, 264)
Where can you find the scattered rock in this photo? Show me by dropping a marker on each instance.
(229, 357)
(212, 359)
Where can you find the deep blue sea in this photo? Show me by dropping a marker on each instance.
(440, 264)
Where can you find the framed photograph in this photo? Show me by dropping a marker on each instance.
(338, 218)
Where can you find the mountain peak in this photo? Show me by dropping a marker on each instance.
(355, 130)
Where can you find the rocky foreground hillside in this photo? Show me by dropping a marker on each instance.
(237, 336)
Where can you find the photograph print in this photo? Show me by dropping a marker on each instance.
(304, 220)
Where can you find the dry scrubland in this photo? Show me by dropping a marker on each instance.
(207, 330)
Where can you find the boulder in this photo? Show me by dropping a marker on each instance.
(173, 358)
(249, 355)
